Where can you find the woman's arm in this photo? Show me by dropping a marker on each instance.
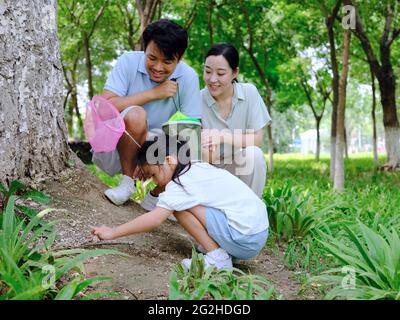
(144, 223)
(242, 140)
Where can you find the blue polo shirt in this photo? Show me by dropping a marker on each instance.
(129, 76)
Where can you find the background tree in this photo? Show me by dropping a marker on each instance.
(339, 161)
(33, 136)
(385, 13)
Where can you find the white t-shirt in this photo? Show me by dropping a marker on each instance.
(209, 186)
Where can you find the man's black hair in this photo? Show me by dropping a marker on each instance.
(170, 38)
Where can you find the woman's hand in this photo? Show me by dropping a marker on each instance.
(103, 233)
(210, 137)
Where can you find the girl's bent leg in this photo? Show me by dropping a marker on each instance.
(193, 221)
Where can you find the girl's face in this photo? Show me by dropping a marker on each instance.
(161, 174)
(218, 76)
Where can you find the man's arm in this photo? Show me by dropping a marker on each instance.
(162, 91)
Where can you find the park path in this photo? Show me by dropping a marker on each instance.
(152, 256)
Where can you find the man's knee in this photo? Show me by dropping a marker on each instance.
(136, 119)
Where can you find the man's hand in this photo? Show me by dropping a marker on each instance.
(103, 233)
(165, 90)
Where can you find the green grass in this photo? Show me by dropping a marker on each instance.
(371, 197)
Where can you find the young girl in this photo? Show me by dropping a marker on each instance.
(216, 208)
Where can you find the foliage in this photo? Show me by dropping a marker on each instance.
(287, 212)
(142, 187)
(19, 190)
(30, 269)
(200, 283)
(373, 257)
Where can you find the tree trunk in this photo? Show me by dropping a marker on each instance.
(346, 146)
(89, 66)
(374, 134)
(387, 86)
(338, 182)
(318, 151)
(335, 88)
(209, 21)
(33, 136)
(147, 10)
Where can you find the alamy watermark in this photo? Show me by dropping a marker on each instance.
(349, 280)
(349, 17)
(207, 145)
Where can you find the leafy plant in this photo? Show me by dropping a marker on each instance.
(374, 259)
(20, 190)
(287, 212)
(28, 263)
(142, 189)
(200, 283)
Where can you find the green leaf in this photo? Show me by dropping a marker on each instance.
(37, 196)
(15, 186)
(68, 291)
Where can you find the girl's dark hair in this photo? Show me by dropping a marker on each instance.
(228, 51)
(153, 152)
(170, 38)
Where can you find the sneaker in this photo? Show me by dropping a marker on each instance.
(217, 258)
(150, 202)
(123, 192)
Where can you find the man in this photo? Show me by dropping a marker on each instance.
(147, 88)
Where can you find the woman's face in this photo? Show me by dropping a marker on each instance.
(218, 75)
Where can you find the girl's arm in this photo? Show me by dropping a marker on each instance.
(144, 223)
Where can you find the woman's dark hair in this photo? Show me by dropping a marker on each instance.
(170, 38)
(153, 152)
(228, 51)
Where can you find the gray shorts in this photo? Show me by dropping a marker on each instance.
(238, 245)
(109, 162)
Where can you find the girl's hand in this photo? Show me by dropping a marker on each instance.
(103, 233)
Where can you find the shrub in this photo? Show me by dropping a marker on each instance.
(374, 258)
(30, 269)
(200, 283)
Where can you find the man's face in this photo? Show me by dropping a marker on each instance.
(157, 65)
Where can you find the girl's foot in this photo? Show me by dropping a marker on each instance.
(217, 258)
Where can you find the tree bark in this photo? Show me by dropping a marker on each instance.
(318, 151)
(329, 21)
(373, 115)
(147, 10)
(209, 21)
(88, 64)
(33, 136)
(339, 161)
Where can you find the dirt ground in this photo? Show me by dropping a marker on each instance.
(152, 256)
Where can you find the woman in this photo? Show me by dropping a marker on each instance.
(233, 118)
